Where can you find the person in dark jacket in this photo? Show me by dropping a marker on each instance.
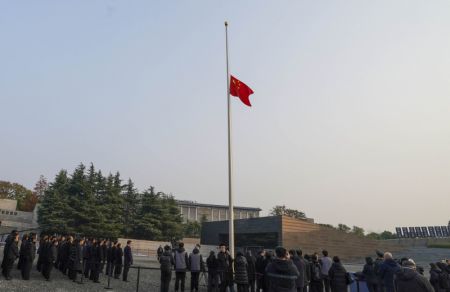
(196, 265)
(75, 258)
(39, 252)
(377, 268)
(118, 261)
(95, 261)
(301, 267)
(435, 276)
(59, 251)
(22, 245)
(166, 263)
(213, 278)
(251, 271)
(110, 254)
(49, 252)
(104, 253)
(387, 272)
(308, 265)
(408, 280)
(224, 268)
(66, 257)
(127, 260)
(316, 283)
(338, 276)
(262, 261)
(12, 253)
(8, 241)
(241, 274)
(87, 257)
(62, 255)
(29, 252)
(444, 277)
(281, 273)
(369, 275)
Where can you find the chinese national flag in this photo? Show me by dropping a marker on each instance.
(241, 90)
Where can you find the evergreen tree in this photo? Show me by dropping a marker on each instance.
(130, 208)
(90, 204)
(53, 211)
(171, 220)
(149, 225)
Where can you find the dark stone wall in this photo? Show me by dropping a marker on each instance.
(212, 231)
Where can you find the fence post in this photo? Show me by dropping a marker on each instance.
(138, 278)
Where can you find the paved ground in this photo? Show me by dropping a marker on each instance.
(149, 279)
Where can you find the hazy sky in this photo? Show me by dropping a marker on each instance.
(350, 120)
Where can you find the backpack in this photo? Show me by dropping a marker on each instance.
(166, 263)
(444, 280)
(316, 273)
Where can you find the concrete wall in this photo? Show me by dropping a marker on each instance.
(7, 204)
(9, 217)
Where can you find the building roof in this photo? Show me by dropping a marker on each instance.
(192, 203)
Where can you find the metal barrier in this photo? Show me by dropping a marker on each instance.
(203, 275)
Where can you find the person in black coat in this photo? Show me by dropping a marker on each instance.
(12, 253)
(28, 253)
(301, 267)
(251, 271)
(370, 276)
(260, 266)
(444, 279)
(435, 276)
(22, 245)
(66, 255)
(118, 261)
(39, 252)
(316, 283)
(75, 259)
(127, 260)
(213, 279)
(241, 272)
(338, 276)
(49, 252)
(104, 249)
(407, 279)
(110, 254)
(224, 268)
(9, 239)
(95, 261)
(281, 273)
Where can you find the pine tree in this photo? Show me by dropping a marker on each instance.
(148, 226)
(171, 220)
(130, 208)
(53, 211)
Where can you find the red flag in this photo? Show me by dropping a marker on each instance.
(241, 90)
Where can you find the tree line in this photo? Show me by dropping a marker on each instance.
(89, 203)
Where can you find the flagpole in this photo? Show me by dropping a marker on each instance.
(230, 185)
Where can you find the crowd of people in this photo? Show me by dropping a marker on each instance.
(291, 271)
(73, 257)
(267, 271)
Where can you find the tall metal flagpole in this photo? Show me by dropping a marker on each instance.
(230, 185)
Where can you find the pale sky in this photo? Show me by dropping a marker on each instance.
(350, 120)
